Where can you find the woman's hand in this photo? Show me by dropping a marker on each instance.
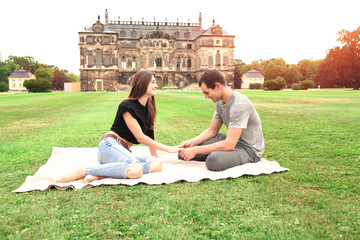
(172, 149)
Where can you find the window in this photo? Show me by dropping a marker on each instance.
(179, 46)
(98, 58)
(210, 42)
(187, 34)
(133, 64)
(217, 59)
(133, 44)
(189, 46)
(107, 60)
(178, 63)
(211, 61)
(89, 40)
(177, 34)
(106, 40)
(133, 33)
(123, 63)
(122, 33)
(217, 42)
(225, 61)
(90, 59)
(189, 62)
(157, 61)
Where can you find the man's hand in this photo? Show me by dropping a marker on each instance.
(186, 144)
(188, 153)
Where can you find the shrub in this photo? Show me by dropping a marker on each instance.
(255, 85)
(295, 86)
(38, 85)
(306, 84)
(275, 84)
(4, 87)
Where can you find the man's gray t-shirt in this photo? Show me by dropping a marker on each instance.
(238, 112)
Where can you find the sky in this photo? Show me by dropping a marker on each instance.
(290, 29)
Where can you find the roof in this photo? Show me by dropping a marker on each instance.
(136, 29)
(21, 73)
(253, 73)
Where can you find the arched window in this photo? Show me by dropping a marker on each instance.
(189, 62)
(157, 61)
(133, 64)
(217, 59)
(123, 63)
(225, 61)
(178, 63)
(211, 61)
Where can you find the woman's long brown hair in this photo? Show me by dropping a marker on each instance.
(139, 87)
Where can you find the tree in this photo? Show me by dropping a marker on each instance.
(306, 84)
(292, 75)
(309, 68)
(256, 65)
(38, 85)
(274, 68)
(275, 84)
(341, 67)
(28, 63)
(237, 79)
(73, 76)
(58, 79)
(44, 73)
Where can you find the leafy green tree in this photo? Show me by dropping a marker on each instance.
(309, 68)
(274, 68)
(73, 76)
(4, 87)
(44, 73)
(6, 68)
(292, 75)
(256, 65)
(38, 85)
(341, 67)
(306, 84)
(275, 84)
(28, 63)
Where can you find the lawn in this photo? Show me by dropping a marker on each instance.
(314, 133)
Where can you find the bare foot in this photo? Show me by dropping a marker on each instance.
(75, 175)
(156, 165)
(90, 178)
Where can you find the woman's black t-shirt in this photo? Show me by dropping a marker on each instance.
(139, 112)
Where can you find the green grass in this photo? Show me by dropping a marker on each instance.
(314, 133)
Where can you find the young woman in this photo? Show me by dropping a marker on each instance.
(133, 124)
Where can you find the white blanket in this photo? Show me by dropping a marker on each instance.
(64, 160)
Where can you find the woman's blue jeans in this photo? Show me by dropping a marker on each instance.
(115, 160)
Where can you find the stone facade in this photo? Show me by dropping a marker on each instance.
(178, 53)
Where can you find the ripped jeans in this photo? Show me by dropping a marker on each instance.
(115, 160)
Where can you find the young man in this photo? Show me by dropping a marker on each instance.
(244, 140)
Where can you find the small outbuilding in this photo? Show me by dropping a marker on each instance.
(252, 76)
(17, 79)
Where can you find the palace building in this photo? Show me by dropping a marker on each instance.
(178, 53)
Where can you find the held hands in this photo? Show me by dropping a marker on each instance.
(188, 153)
(172, 149)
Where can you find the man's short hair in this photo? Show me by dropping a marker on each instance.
(210, 77)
